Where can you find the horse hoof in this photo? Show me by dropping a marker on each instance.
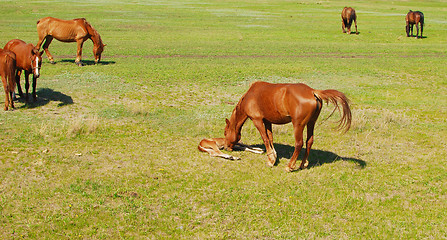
(80, 64)
(288, 169)
(52, 62)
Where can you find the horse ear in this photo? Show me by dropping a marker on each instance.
(227, 121)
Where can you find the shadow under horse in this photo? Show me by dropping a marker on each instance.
(46, 95)
(316, 157)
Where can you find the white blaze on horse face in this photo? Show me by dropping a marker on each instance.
(36, 68)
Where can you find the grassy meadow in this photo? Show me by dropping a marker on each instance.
(109, 151)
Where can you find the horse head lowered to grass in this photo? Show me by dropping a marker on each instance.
(266, 104)
(77, 30)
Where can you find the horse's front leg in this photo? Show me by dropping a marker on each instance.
(298, 132)
(259, 124)
(80, 43)
(34, 88)
(343, 26)
(268, 128)
(19, 88)
(26, 85)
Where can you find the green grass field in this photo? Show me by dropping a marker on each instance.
(109, 151)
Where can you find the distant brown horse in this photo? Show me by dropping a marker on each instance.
(266, 104)
(414, 18)
(348, 15)
(77, 30)
(28, 59)
(7, 69)
(214, 145)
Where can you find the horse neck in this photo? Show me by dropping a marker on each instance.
(94, 35)
(238, 119)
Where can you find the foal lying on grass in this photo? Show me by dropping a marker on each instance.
(213, 146)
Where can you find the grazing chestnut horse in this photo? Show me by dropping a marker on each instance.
(266, 104)
(414, 18)
(213, 146)
(7, 70)
(348, 15)
(77, 30)
(28, 59)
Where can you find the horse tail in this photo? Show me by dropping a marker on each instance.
(10, 71)
(337, 98)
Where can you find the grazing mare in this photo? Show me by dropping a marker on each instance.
(77, 30)
(7, 70)
(266, 104)
(214, 145)
(348, 15)
(414, 18)
(28, 59)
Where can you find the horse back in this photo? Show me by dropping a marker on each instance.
(23, 53)
(63, 30)
(278, 103)
(348, 14)
(414, 17)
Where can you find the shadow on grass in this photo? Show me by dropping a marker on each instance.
(316, 157)
(45, 95)
(89, 62)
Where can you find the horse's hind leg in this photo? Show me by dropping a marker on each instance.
(355, 21)
(298, 132)
(48, 40)
(343, 25)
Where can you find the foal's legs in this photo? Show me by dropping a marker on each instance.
(355, 21)
(259, 124)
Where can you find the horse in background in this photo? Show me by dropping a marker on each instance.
(266, 104)
(414, 18)
(7, 71)
(348, 15)
(28, 59)
(77, 30)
